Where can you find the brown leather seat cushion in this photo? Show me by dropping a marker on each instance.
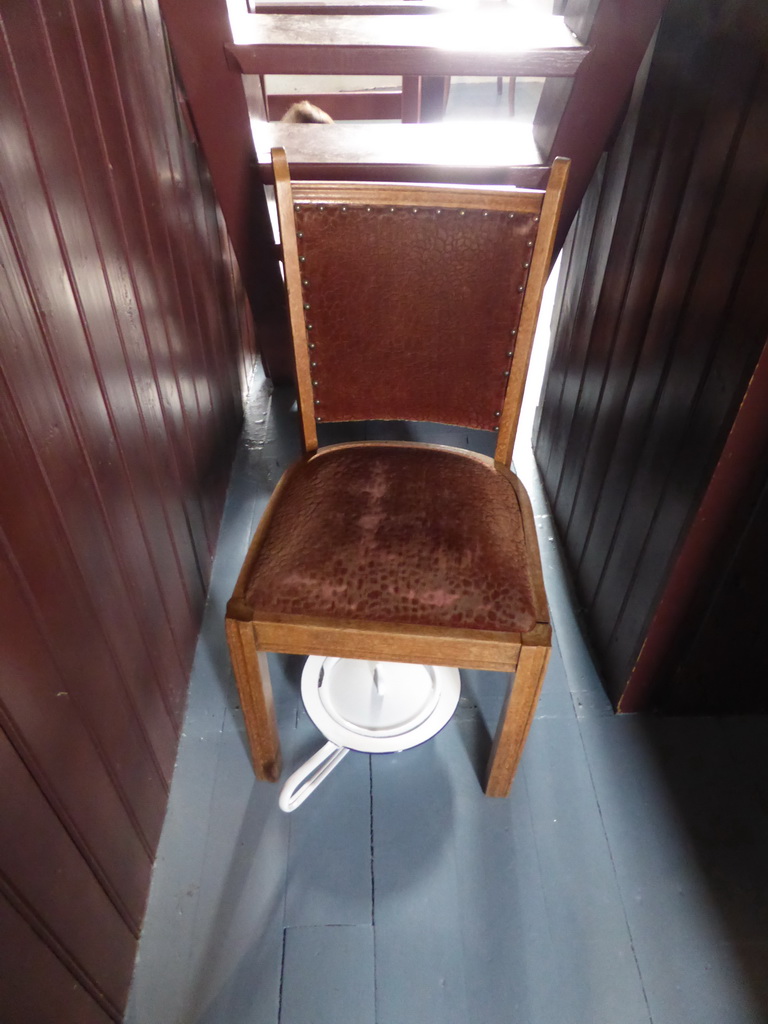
(399, 535)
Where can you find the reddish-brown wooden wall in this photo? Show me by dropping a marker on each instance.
(664, 311)
(124, 346)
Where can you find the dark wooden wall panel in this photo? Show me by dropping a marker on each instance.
(58, 892)
(724, 666)
(705, 649)
(125, 345)
(55, 995)
(662, 319)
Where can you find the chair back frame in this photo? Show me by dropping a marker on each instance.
(544, 205)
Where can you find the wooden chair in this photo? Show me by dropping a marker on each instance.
(407, 302)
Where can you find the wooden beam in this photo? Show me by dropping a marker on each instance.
(498, 42)
(219, 115)
(499, 153)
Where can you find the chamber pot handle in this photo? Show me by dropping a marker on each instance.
(308, 777)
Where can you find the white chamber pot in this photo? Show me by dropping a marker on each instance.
(376, 707)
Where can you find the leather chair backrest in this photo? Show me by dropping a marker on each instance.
(407, 300)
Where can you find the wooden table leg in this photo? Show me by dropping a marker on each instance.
(515, 721)
(255, 689)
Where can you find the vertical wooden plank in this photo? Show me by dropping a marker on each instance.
(678, 449)
(78, 368)
(727, 508)
(77, 636)
(336, 968)
(136, 202)
(593, 960)
(713, 227)
(329, 853)
(51, 726)
(238, 915)
(59, 896)
(505, 935)
(610, 251)
(562, 345)
(656, 175)
(509, 959)
(185, 241)
(55, 995)
(420, 972)
(730, 623)
(116, 199)
(155, 186)
(639, 240)
(222, 335)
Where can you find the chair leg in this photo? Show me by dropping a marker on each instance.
(253, 685)
(515, 721)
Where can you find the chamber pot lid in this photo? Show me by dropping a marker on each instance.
(378, 706)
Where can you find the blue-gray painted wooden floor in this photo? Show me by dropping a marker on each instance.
(623, 882)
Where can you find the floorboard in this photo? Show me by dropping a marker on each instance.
(235, 950)
(507, 944)
(329, 852)
(328, 975)
(622, 882)
(593, 964)
(419, 950)
(684, 842)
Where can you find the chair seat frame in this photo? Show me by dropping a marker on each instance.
(523, 655)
